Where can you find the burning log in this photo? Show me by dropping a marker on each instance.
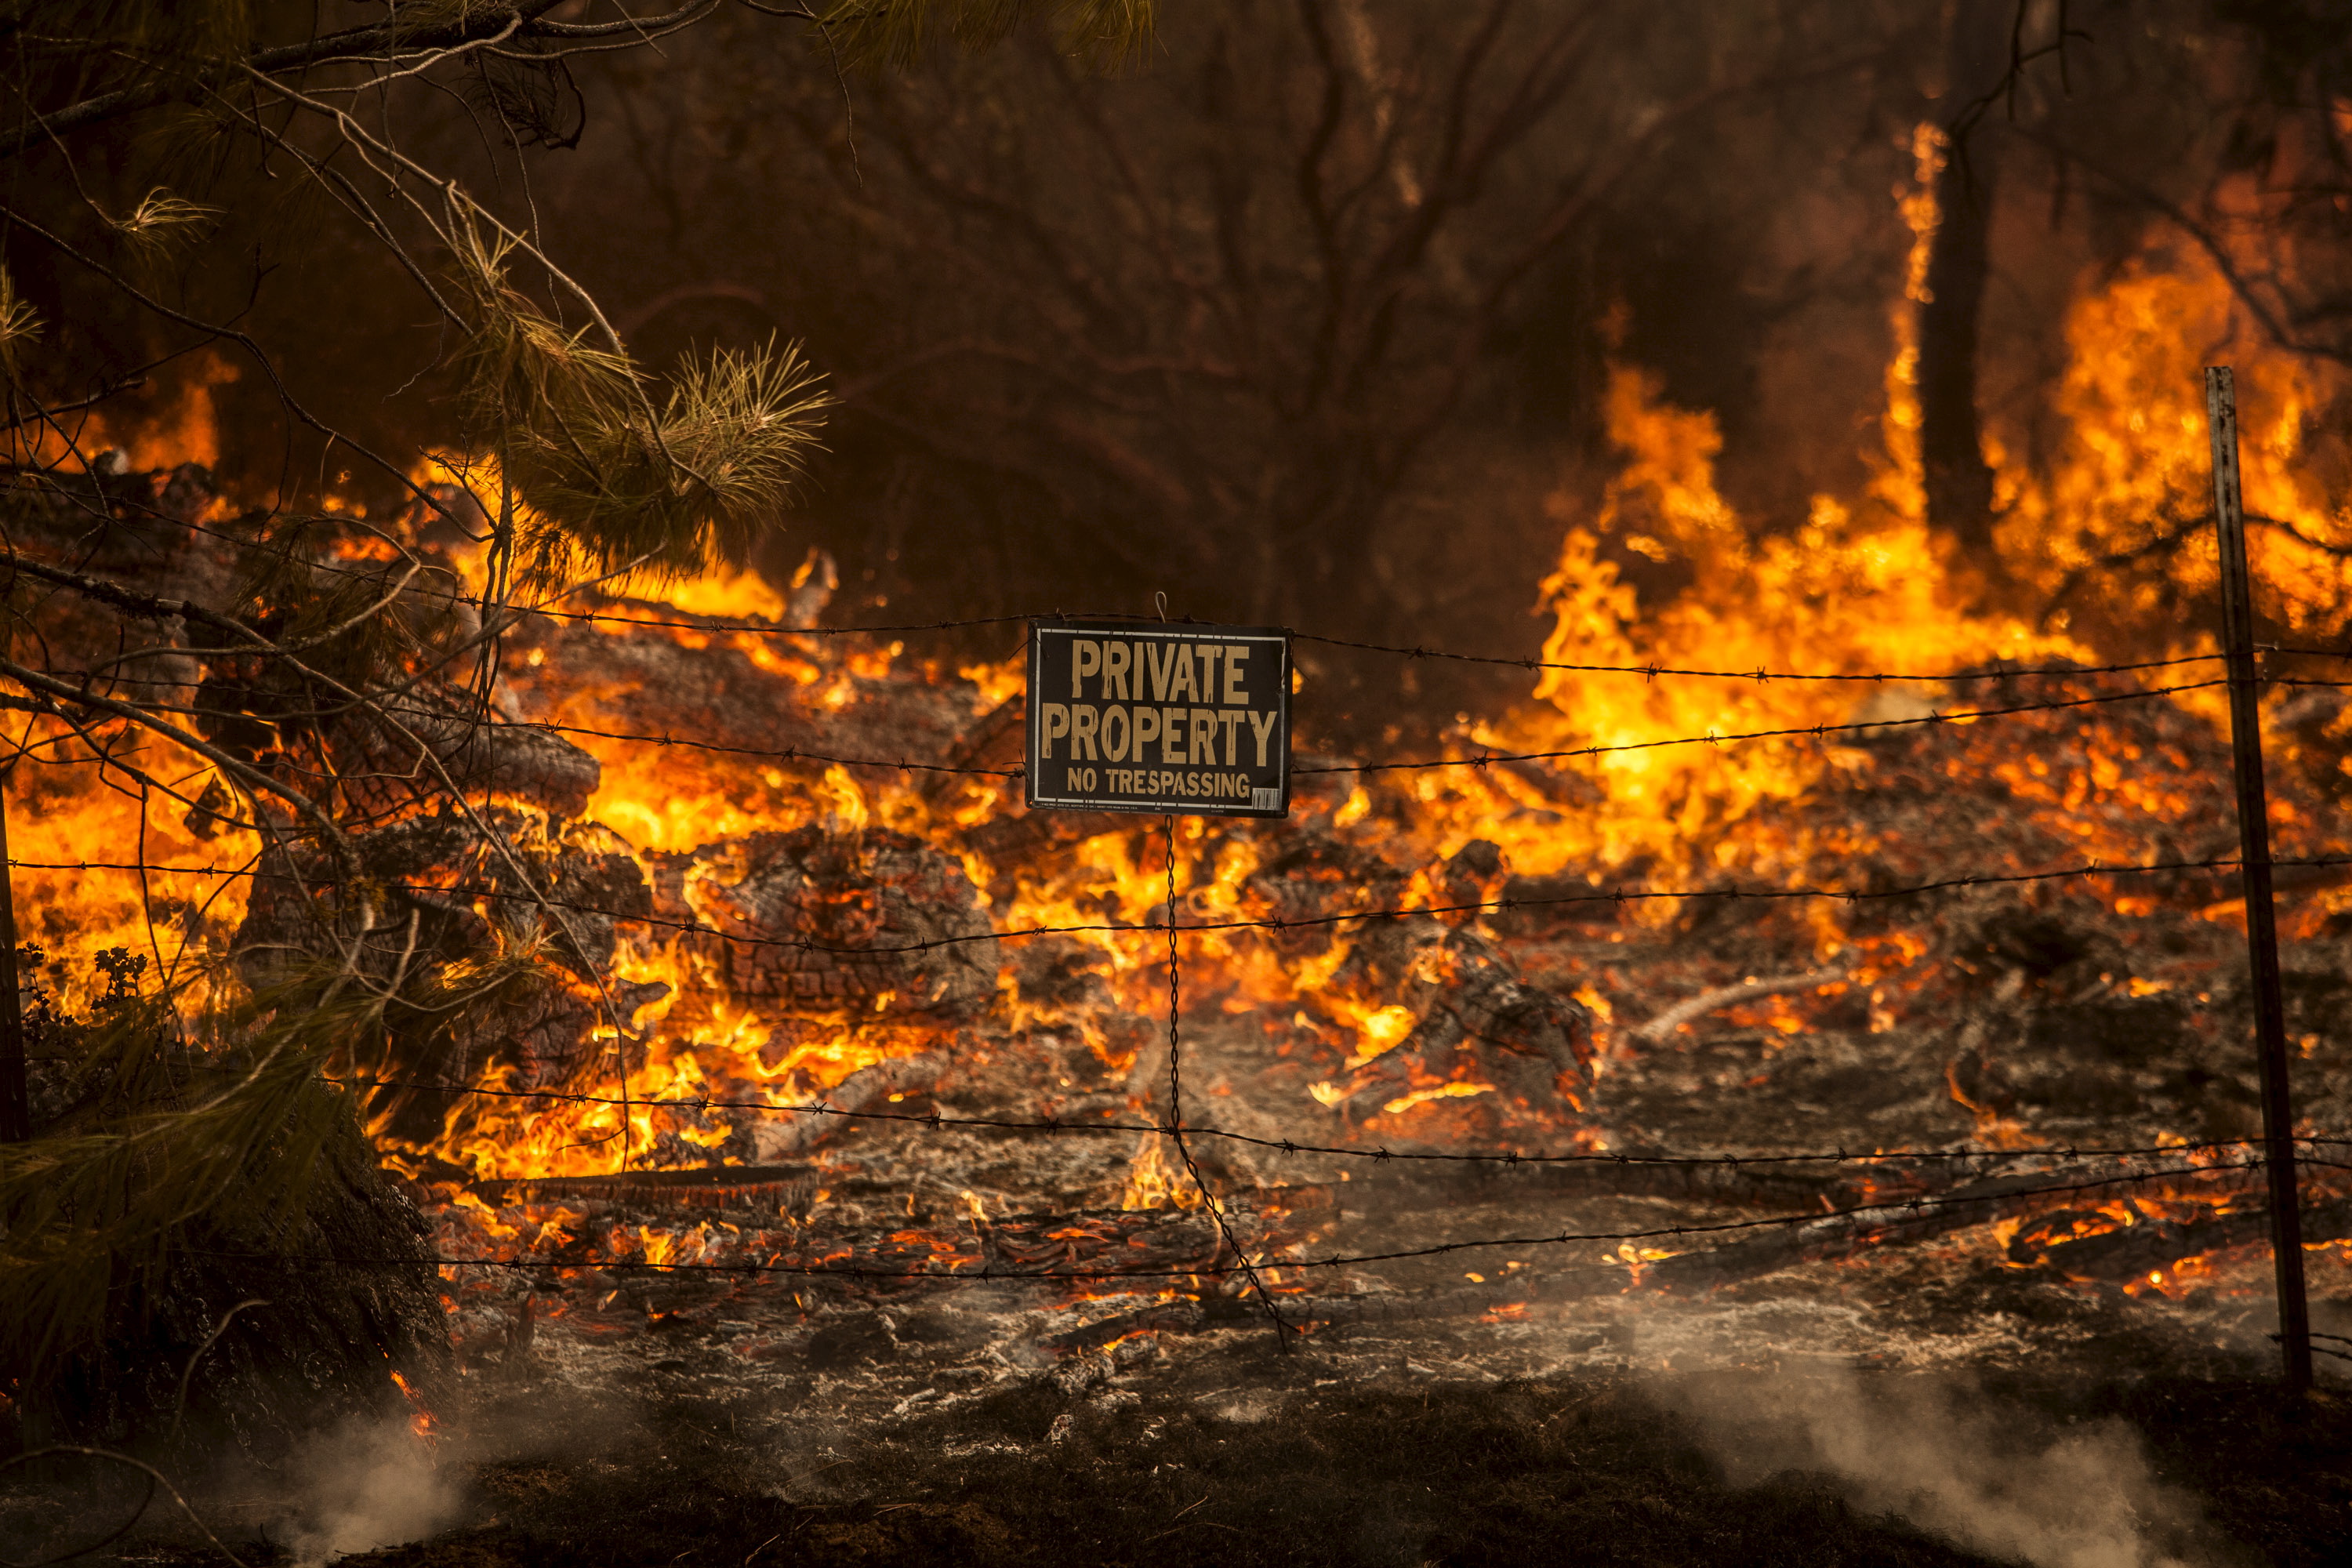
(518, 761)
(779, 1138)
(1471, 1014)
(1542, 905)
(588, 877)
(396, 755)
(694, 1137)
(1180, 1316)
(705, 678)
(1065, 1246)
(1911, 1220)
(466, 963)
(873, 924)
(872, 940)
(993, 740)
(2112, 1252)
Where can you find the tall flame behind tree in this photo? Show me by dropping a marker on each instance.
(275, 690)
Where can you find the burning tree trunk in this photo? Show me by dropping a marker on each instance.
(1951, 448)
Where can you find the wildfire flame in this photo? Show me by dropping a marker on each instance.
(1859, 586)
(422, 1423)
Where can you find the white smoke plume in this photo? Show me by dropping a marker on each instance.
(367, 1485)
(1938, 1452)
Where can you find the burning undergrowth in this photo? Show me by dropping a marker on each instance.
(734, 1025)
(709, 983)
(857, 962)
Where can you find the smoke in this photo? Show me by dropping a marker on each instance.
(365, 1485)
(1943, 1455)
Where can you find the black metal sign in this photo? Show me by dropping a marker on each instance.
(1134, 716)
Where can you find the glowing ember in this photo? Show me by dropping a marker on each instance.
(421, 1421)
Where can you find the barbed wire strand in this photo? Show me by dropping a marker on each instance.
(1485, 758)
(937, 1120)
(2302, 652)
(773, 755)
(1272, 923)
(1814, 731)
(793, 753)
(1895, 1211)
(1999, 670)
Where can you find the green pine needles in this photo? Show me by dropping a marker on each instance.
(164, 1146)
(609, 480)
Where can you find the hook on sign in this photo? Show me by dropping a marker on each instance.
(1160, 599)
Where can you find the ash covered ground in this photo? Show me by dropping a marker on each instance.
(1947, 1398)
(1916, 1408)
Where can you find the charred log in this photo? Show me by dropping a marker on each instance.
(778, 1138)
(821, 926)
(1914, 1220)
(1077, 1243)
(2112, 1253)
(1722, 996)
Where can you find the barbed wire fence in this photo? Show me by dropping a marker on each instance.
(59, 699)
(2209, 1159)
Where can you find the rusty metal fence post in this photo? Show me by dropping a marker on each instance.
(2254, 839)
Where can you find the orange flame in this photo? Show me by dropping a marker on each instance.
(1859, 586)
(421, 1421)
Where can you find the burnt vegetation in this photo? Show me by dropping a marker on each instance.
(525, 934)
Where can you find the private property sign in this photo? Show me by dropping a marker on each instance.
(1132, 716)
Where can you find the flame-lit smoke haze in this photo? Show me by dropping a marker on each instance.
(1649, 505)
(1079, 355)
(1860, 587)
